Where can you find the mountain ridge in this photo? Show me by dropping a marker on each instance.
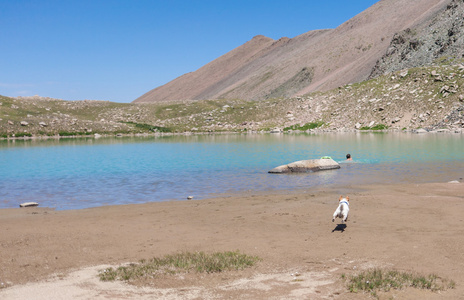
(441, 37)
(413, 100)
(264, 68)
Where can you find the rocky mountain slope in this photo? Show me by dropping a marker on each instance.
(429, 98)
(314, 61)
(440, 38)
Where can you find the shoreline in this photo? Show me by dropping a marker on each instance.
(411, 227)
(332, 188)
(453, 174)
(97, 135)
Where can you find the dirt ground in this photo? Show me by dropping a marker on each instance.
(47, 254)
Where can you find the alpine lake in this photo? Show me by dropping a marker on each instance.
(76, 173)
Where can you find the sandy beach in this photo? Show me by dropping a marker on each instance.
(48, 254)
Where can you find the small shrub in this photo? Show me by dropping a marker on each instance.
(379, 127)
(76, 133)
(23, 134)
(376, 127)
(65, 133)
(183, 262)
(305, 127)
(376, 280)
(149, 127)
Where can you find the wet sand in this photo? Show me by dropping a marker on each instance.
(51, 254)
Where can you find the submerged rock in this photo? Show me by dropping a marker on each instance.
(307, 166)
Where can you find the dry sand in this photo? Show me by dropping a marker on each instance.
(47, 254)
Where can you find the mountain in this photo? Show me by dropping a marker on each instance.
(320, 60)
(442, 37)
(429, 98)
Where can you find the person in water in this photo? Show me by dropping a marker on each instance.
(348, 157)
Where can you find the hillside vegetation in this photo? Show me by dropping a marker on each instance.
(427, 97)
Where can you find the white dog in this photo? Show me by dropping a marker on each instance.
(343, 209)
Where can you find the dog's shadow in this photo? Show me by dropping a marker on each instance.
(339, 227)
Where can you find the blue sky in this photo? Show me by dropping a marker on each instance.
(117, 50)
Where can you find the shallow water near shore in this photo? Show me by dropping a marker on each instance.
(87, 172)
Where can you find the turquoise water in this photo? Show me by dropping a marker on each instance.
(81, 173)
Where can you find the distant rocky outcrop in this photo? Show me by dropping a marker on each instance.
(441, 37)
(319, 60)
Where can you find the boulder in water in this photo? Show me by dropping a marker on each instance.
(28, 204)
(311, 165)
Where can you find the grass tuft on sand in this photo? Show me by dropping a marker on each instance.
(376, 280)
(184, 262)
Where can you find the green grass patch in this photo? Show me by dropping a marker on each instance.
(23, 134)
(305, 127)
(184, 262)
(376, 280)
(74, 133)
(149, 127)
(376, 127)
